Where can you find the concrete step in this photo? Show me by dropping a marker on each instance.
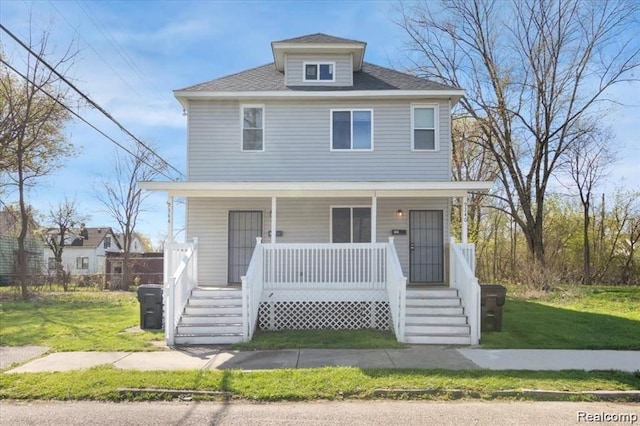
(207, 339)
(432, 292)
(211, 319)
(434, 301)
(438, 339)
(435, 319)
(453, 329)
(434, 310)
(196, 310)
(209, 329)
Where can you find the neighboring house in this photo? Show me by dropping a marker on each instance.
(321, 184)
(9, 231)
(137, 245)
(85, 250)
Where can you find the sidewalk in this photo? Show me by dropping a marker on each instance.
(417, 356)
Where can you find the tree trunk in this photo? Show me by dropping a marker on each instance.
(24, 225)
(587, 249)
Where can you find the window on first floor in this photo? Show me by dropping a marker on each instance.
(82, 263)
(322, 71)
(351, 224)
(424, 128)
(51, 263)
(252, 127)
(352, 130)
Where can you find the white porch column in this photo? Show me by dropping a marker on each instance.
(463, 218)
(273, 219)
(168, 267)
(374, 218)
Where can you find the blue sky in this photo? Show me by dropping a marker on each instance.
(133, 54)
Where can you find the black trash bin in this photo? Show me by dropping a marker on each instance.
(492, 298)
(150, 298)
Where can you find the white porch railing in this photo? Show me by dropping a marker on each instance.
(462, 277)
(359, 266)
(178, 286)
(252, 286)
(396, 291)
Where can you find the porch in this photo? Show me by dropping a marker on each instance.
(327, 254)
(311, 286)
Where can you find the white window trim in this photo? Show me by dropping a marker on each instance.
(351, 111)
(242, 108)
(351, 207)
(317, 64)
(436, 131)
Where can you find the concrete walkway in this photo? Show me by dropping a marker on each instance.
(418, 356)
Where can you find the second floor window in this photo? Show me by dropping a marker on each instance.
(253, 128)
(351, 130)
(424, 134)
(107, 242)
(319, 71)
(82, 263)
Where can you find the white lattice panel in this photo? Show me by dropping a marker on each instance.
(337, 315)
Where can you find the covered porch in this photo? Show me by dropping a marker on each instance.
(301, 270)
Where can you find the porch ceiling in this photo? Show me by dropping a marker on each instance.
(316, 189)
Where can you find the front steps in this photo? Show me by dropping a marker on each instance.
(212, 316)
(435, 316)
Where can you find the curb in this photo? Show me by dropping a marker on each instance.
(530, 393)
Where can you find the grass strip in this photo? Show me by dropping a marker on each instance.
(322, 339)
(103, 383)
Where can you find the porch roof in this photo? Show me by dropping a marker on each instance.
(316, 189)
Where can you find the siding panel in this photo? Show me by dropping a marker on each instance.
(297, 144)
(294, 71)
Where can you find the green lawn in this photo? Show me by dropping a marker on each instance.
(75, 321)
(587, 318)
(102, 383)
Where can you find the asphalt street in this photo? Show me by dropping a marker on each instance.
(316, 413)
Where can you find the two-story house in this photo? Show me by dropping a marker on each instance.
(319, 196)
(85, 250)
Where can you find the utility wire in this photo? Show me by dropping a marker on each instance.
(133, 89)
(89, 100)
(84, 120)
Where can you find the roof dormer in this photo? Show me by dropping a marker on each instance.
(318, 44)
(318, 60)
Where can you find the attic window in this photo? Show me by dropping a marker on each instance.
(319, 71)
(107, 242)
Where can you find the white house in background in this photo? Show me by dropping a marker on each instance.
(85, 251)
(319, 196)
(136, 243)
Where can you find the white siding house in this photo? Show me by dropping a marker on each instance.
(319, 195)
(85, 251)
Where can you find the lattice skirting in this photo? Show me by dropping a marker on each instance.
(337, 315)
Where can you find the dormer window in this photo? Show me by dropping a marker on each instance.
(319, 71)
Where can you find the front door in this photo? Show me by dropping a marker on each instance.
(426, 246)
(244, 227)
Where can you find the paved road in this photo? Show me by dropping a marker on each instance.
(308, 413)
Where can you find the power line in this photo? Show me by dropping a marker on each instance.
(133, 89)
(84, 120)
(86, 98)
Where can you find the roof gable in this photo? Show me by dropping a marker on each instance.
(318, 43)
(318, 38)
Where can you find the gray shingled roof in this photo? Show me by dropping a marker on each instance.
(267, 78)
(318, 38)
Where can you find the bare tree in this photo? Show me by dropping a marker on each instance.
(532, 70)
(33, 141)
(61, 219)
(123, 199)
(470, 161)
(588, 159)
